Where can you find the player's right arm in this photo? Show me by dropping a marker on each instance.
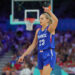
(30, 48)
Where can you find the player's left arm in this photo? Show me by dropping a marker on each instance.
(53, 26)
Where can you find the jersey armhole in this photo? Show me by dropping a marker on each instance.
(51, 33)
(37, 30)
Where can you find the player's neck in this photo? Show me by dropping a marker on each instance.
(44, 27)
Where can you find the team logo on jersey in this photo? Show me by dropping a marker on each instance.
(42, 36)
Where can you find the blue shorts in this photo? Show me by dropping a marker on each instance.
(46, 57)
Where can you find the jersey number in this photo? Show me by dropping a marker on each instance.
(41, 42)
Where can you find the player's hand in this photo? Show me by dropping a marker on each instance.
(46, 9)
(21, 59)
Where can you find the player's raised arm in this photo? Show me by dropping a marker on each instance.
(30, 48)
(53, 26)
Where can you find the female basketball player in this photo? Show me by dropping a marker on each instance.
(44, 38)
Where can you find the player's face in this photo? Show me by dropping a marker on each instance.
(43, 20)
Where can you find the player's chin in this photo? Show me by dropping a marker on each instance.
(41, 24)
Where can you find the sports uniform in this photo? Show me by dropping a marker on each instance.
(46, 48)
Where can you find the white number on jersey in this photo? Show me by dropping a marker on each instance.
(41, 42)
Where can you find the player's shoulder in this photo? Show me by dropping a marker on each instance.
(37, 30)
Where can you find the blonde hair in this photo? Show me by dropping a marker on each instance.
(48, 17)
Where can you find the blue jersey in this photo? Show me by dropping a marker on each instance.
(45, 39)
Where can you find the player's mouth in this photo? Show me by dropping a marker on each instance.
(40, 22)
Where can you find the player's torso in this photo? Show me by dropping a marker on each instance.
(45, 40)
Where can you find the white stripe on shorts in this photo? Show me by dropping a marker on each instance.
(51, 52)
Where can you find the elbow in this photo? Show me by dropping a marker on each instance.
(56, 20)
(56, 23)
(55, 26)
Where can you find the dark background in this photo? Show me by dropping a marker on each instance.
(62, 8)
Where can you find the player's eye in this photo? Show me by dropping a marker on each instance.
(41, 18)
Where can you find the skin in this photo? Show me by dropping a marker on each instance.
(44, 23)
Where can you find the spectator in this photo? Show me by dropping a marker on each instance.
(25, 70)
(6, 70)
(17, 66)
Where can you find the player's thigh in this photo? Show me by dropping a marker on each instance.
(41, 72)
(47, 70)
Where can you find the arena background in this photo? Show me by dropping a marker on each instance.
(15, 39)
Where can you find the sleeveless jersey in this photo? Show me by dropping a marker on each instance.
(45, 39)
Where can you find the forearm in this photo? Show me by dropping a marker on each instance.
(53, 16)
(29, 50)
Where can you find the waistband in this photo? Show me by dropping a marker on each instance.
(46, 49)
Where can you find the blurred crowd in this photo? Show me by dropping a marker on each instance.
(18, 41)
(65, 50)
